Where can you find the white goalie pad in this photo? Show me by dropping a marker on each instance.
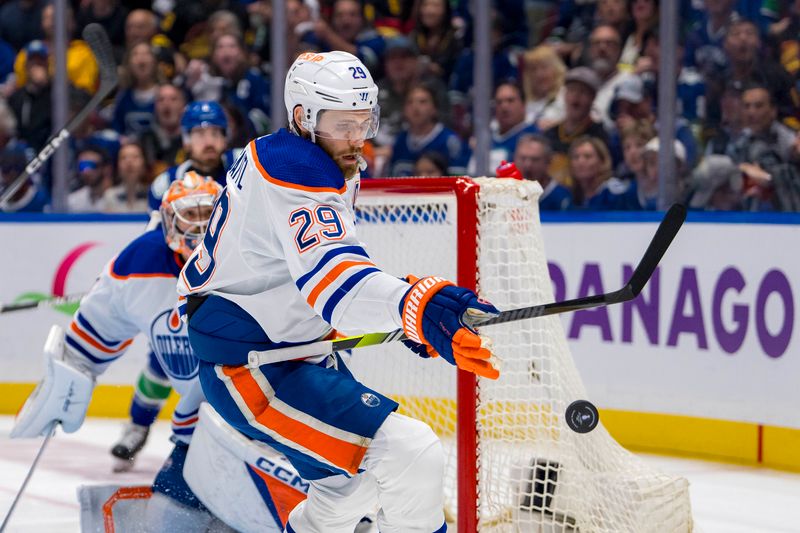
(63, 394)
(246, 484)
(112, 508)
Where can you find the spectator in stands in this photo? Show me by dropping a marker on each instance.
(704, 42)
(766, 154)
(784, 39)
(605, 46)
(30, 197)
(431, 164)
(640, 193)
(162, 144)
(133, 176)
(504, 67)
(747, 64)
(111, 15)
(508, 124)
(187, 24)
(389, 17)
(634, 136)
(402, 72)
(141, 26)
(349, 32)
(82, 69)
(716, 185)
(633, 101)
(31, 103)
(8, 125)
(425, 133)
(96, 175)
(300, 18)
(730, 126)
(615, 13)
(242, 86)
(435, 39)
(760, 115)
(575, 21)
(204, 126)
(580, 87)
(543, 80)
(135, 104)
(532, 157)
(21, 22)
(590, 169)
(691, 88)
(644, 14)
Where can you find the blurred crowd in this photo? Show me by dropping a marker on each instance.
(574, 95)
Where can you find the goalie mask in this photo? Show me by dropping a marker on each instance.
(335, 82)
(186, 209)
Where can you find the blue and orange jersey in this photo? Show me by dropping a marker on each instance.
(135, 294)
(282, 245)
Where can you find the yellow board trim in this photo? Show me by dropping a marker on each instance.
(719, 440)
(108, 401)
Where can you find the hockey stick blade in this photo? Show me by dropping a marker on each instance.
(96, 37)
(665, 234)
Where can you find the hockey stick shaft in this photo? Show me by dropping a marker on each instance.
(96, 37)
(665, 234)
(47, 302)
(50, 432)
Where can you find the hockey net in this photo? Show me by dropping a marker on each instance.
(512, 462)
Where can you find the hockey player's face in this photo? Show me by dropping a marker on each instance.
(341, 134)
(206, 146)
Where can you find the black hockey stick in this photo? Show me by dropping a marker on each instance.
(96, 37)
(663, 237)
(665, 233)
(46, 302)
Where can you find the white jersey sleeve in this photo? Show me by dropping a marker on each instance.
(282, 244)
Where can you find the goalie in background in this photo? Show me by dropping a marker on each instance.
(134, 294)
(280, 265)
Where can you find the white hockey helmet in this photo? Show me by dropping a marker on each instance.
(331, 81)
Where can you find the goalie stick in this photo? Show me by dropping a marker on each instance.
(96, 37)
(666, 232)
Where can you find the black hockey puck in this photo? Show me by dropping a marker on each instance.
(582, 416)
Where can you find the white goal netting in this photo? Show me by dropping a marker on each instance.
(532, 473)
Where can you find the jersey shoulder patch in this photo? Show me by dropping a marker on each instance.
(287, 160)
(147, 256)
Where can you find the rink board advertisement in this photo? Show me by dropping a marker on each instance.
(712, 336)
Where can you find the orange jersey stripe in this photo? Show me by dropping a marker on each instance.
(330, 277)
(343, 454)
(248, 388)
(287, 184)
(85, 336)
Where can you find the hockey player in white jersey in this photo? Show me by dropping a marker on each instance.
(280, 265)
(204, 128)
(134, 294)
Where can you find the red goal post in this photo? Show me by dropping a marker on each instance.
(512, 463)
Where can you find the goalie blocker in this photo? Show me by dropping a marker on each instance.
(62, 396)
